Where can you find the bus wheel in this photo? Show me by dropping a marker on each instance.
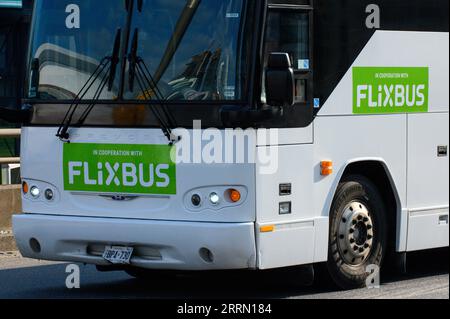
(357, 232)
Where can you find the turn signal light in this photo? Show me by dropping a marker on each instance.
(25, 188)
(235, 195)
(267, 229)
(326, 168)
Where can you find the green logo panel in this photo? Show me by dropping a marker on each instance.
(379, 90)
(119, 169)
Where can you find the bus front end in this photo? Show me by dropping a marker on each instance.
(119, 165)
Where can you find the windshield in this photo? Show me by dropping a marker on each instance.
(69, 39)
(192, 48)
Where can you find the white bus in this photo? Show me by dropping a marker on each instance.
(339, 108)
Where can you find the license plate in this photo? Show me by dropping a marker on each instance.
(118, 255)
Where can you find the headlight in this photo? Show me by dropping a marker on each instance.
(214, 198)
(35, 192)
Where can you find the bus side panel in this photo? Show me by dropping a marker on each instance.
(293, 239)
(428, 181)
(348, 139)
(341, 34)
(398, 49)
(406, 49)
(302, 237)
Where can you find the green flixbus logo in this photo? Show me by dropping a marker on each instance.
(378, 90)
(119, 169)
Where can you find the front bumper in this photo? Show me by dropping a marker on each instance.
(168, 245)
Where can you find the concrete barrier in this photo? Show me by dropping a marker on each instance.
(10, 203)
(7, 242)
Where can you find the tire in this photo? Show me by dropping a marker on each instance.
(358, 232)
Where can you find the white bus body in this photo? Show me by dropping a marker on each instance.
(404, 154)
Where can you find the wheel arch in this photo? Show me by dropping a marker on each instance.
(378, 172)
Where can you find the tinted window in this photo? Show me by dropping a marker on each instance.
(289, 32)
(2, 51)
(70, 38)
(192, 48)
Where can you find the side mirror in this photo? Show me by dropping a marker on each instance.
(280, 84)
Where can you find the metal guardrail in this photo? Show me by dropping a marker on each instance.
(10, 133)
(9, 160)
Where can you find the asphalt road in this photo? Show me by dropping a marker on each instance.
(427, 278)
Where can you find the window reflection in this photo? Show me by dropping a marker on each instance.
(193, 56)
(199, 61)
(68, 55)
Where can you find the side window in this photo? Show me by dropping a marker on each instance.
(2, 50)
(6, 83)
(289, 31)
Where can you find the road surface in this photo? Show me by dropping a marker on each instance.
(428, 278)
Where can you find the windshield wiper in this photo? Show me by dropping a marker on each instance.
(108, 64)
(140, 72)
(111, 77)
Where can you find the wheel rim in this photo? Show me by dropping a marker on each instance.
(356, 234)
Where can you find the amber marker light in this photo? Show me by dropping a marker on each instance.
(326, 168)
(25, 188)
(235, 195)
(267, 229)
